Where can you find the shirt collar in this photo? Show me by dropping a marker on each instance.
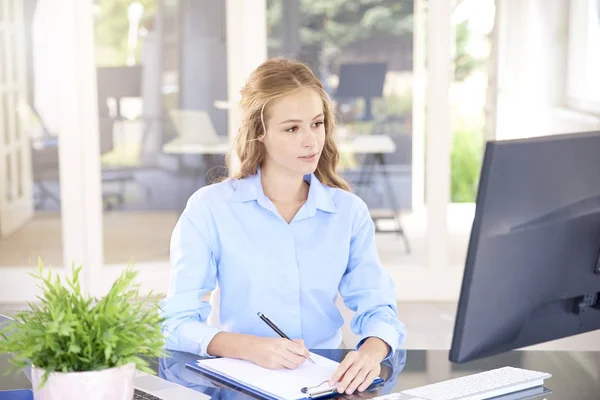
(250, 188)
(318, 196)
(247, 189)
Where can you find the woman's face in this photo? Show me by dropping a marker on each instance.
(295, 132)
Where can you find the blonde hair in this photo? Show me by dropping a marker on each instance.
(275, 78)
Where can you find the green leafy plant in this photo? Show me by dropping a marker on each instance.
(466, 159)
(72, 332)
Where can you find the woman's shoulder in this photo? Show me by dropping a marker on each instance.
(351, 208)
(213, 193)
(345, 200)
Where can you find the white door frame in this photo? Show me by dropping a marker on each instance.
(79, 143)
(246, 49)
(71, 24)
(16, 186)
(435, 280)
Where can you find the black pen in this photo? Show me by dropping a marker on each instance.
(272, 325)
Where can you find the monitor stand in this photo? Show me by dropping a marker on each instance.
(583, 303)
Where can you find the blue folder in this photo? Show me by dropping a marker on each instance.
(256, 391)
(20, 394)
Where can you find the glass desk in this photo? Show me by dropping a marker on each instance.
(575, 375)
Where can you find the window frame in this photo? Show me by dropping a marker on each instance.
(580, 94)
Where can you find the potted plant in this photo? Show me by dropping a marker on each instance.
(78, 345)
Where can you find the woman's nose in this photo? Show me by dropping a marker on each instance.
(310, 139)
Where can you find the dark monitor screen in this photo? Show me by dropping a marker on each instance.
(532, 270)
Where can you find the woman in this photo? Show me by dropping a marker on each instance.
(283, 238)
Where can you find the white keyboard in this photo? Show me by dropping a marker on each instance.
(480, 386)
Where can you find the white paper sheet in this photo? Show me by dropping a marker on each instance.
(284, 384)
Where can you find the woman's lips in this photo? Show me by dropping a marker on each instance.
(309, 158)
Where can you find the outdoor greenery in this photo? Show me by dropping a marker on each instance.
(72, 332)
(327, 29)
(395, 104)
(111, 29)
(464, 63)
(465, 165)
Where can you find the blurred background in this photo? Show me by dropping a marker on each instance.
(113, 112)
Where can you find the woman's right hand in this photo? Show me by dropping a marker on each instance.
(278, 353)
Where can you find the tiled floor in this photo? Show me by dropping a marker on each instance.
(138, 235)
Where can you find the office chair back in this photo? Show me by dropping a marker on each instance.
(119, 82)
(214, 318)
(31, 123)
(194, 125)
(349, 339)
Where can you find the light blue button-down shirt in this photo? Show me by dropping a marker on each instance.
(231, 233)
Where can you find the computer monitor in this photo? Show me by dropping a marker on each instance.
(532, 272)
(364, 80)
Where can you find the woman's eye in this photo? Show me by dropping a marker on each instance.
(319, 123)
(292, 129)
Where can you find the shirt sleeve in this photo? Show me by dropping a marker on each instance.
(193, 274)
(367, 289)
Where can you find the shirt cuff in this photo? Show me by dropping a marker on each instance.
(382, 331)
(194, 337)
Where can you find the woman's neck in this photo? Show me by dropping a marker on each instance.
(283, 187)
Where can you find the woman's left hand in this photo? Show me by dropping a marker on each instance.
(360, 368)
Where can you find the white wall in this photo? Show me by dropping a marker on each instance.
(533, 77)
(533, 70)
